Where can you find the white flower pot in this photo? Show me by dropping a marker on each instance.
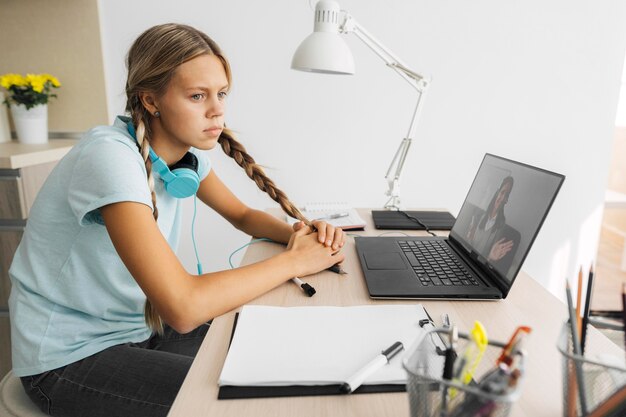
(5, 133)
(31, 125)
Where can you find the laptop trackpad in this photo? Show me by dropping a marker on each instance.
(384, 261)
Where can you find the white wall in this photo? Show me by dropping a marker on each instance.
(620, 117)
(534, 81)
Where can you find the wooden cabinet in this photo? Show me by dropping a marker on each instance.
(23, 170)
(5, 345)
(10, 237)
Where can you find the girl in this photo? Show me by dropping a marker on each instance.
(105, 320)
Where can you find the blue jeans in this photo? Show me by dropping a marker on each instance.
(133, 379)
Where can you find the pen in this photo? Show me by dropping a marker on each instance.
(448, 366)
(583, 335)
(579, 321)
(375, 364)
(308, 290)
(337, 269)
(436, 339)
(334, 216)
(450, 354)
(624, 306)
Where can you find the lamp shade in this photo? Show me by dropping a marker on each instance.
(324, 50)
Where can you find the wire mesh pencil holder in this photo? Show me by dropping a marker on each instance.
(600, 378)
(430, 395)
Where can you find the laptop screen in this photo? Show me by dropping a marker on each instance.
(503, 212)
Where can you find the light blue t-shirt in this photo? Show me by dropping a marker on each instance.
(72, 295)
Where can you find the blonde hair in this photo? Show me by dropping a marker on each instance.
(151, 62)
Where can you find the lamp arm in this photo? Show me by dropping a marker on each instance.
(350, 25)
(416, 80)
(398, 161)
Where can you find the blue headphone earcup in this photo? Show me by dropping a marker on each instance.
(185, 181)
(184, 184)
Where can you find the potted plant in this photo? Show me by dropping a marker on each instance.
(28, 99)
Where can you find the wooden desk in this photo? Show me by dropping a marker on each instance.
(528, 303)
(617, 200)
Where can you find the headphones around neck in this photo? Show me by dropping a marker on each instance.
(181, 179)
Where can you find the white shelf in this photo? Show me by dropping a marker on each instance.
(14, 155)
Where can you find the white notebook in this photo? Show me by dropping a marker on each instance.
(278, 346)
(350, 218)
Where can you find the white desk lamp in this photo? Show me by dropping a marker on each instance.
(324, 51)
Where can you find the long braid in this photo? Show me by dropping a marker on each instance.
(236, 150)
(143, 139)
(153, 320)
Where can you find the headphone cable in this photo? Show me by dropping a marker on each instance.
(193, 235)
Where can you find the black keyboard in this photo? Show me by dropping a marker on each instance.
(435, 264)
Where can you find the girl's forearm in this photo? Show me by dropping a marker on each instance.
(217, 293)
(260, 224)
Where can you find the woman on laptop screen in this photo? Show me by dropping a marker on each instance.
(489, 233)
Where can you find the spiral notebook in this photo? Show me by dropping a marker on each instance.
(337, 214)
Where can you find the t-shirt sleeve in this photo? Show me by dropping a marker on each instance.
(107, 171)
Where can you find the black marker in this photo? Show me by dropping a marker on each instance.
(308, 290)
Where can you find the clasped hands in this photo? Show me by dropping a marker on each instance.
(327, 234)
(317, 249)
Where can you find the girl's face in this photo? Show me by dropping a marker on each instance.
(192, 108)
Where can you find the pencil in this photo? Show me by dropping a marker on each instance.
(624, 308)
(579, 321)
(583, 336)
(576, 344)
(572, 388)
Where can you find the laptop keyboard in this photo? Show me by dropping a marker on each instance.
(434, 263)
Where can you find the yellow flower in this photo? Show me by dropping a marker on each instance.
(9, 80)
(31, 90)
(37, 82)
(53, 80)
